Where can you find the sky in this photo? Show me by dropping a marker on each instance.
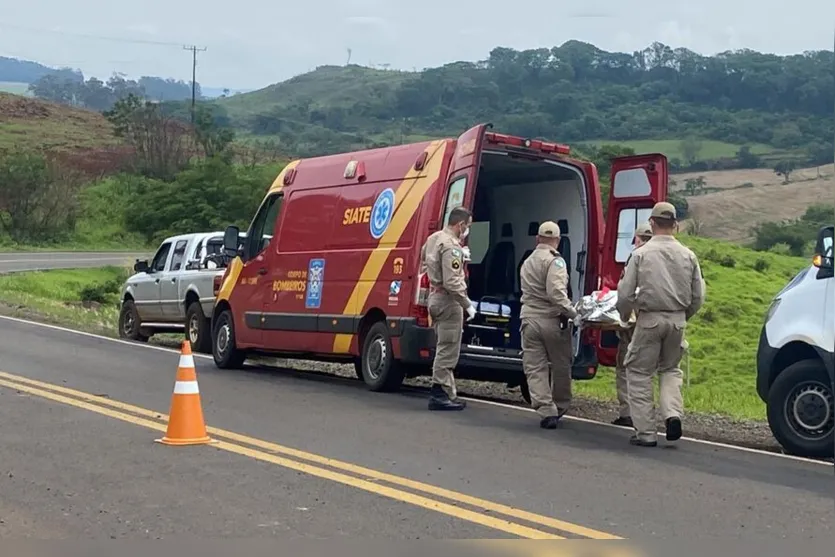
(253, 43)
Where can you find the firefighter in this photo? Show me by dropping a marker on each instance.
(663, 285)
(546, 335)
(442, 258)
(642, 234)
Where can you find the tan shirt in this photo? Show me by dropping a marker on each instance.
(544, 282)
(442, 259)
(662, 276)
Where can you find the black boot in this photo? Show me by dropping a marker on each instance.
(673, 428)
(624, 421)
(439, 400)
(549, 423)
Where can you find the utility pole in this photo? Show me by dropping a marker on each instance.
(194, 50)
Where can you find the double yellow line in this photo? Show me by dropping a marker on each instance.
(426, 496)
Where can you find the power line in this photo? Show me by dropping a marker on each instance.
(85, 35)
(194, 50)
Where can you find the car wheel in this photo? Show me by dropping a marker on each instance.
(380, 371)
(801, 410)
(130, 327)
(224, 351)
(198, 329)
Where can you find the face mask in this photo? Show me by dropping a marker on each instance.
(465, 232)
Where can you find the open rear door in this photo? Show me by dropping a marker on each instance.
(637, 183)
(463, 170)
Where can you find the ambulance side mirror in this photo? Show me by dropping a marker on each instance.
(823, 258)
(231, 239)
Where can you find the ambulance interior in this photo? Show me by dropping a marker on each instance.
(513, 196)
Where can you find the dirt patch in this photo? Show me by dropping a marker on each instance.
(746, 198)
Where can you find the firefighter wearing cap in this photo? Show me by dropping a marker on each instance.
(442, 258)
(546, 336)
(663, 285)
(642, 235)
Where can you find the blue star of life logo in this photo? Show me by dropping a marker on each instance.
(381, 213)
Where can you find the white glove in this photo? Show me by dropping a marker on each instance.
(470, 313)
(467, 255)
(578, 320)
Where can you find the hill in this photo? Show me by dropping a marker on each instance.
(736, 200)
(575, 92)
(32, 123)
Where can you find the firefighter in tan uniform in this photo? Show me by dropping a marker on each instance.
(546, 335)
(663, 285)
(642, 235)
(443, 260)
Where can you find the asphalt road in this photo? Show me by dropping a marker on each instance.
(10, 262)
(80, 463)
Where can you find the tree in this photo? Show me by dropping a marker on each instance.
(214, 140)
(162, 145)
(38, 198)
(785, 168)
(694, 186)
(690, 150)
(746, 158)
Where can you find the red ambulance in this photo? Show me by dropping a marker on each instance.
(329, 269)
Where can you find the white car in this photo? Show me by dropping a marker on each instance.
(796, 358)
(174, 292)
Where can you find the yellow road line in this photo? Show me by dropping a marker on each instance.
(339, 465)
(358, 483)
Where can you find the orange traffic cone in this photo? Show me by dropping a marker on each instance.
(185, 420)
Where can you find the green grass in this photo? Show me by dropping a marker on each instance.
(711, 150)
(58, 295)
(723, 337)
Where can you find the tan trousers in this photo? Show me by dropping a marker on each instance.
(656, 347)
(448, 322)
(624, 338)
(544, 346)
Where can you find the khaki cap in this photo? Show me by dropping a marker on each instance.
(549, 229)
(643, 230)
(664, 210)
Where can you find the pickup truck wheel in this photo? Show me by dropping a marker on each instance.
(224, 351)
(801, 410)
(380, 371)
(130, 327)
(198, 329)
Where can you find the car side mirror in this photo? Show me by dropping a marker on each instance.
(231, 239)
(141, 266)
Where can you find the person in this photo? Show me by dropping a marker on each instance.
(642, 235)
(663, 285)
(442, 258)
(546, 336)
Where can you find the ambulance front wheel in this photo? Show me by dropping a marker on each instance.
(224, 350)
(379, 369)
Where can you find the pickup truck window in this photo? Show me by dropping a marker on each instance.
(158, 264)
(179, 255)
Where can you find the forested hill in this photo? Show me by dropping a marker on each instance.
(574, 92)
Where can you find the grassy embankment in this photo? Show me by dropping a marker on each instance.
(723, 337)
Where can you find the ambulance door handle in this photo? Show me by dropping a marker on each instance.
(262, 271)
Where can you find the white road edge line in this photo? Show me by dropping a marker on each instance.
(475, 400)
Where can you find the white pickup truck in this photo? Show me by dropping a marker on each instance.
(175, 291)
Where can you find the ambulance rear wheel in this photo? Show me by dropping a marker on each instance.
(379, 369)
(224, 350)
